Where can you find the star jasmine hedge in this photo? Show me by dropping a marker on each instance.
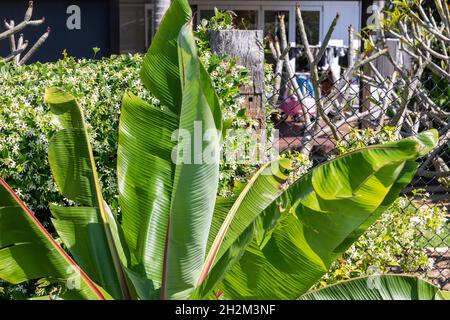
(27, 125)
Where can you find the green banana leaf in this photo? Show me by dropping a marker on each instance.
(196, 175)
(326, 211)
(263, 188)
(160, 72)
(88, 229)
(233, 223)
(28, 252)
(151, 187)
(379, 287)
(145, 177)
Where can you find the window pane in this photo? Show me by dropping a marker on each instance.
(206, 14)
(132, 25)
(272, 28)
(246, 19)
(149, 24)
(312, 26)
(271, 24)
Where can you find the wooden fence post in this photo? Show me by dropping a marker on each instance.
(247, 47)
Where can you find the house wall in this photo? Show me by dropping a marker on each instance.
(94, 31)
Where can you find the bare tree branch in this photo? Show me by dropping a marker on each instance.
(18, 49)
(22, 25)
(35, 47)
(326, 40)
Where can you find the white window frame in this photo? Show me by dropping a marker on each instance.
(267, 5)
(292, 19)
(149, 7)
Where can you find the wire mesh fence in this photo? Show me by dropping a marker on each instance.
(352, 113)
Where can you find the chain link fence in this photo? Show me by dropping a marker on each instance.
(350, 108)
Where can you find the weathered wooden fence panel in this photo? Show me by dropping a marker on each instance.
(247, 47)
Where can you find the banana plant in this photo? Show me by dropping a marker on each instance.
(176, 239)
(379, 287)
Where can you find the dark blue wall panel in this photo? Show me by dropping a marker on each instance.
(95, 27)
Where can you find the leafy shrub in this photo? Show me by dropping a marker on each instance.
(26, 124)
(392, 244)
(359, 138)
